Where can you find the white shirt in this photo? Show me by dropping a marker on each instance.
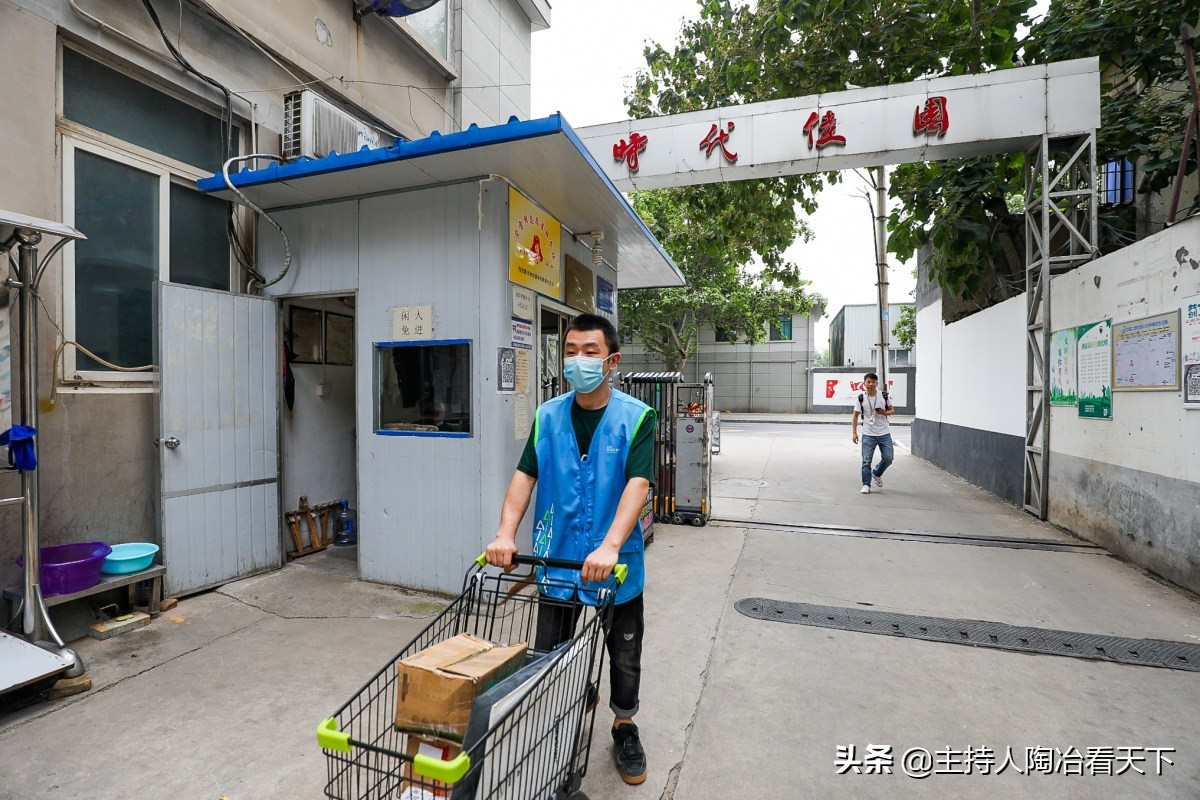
(874, 423)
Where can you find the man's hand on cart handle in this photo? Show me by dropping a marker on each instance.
(599, 564)
(501, 551)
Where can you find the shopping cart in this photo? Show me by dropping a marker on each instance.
(532, 744)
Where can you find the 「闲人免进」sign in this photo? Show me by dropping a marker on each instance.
(534, 245)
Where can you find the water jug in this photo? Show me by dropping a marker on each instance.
(345, 526)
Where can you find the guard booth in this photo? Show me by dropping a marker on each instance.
(423, 311)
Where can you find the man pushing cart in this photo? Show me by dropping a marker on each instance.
(590, 456)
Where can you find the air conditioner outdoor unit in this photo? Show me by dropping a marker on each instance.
(314, 127)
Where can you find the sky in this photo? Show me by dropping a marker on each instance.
(581, 67)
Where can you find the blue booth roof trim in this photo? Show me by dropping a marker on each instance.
(298, 174)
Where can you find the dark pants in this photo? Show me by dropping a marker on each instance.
(556, 624)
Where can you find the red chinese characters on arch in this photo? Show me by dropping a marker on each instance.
(933, 118)
(826, 130)
(717, 138)
(628, 151)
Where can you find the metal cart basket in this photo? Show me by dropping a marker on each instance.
(531, 745)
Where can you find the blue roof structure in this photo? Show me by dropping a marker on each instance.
(542, 157)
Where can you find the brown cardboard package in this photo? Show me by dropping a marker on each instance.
(434, 748)
(435, 687)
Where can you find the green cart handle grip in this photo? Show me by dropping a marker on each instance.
(620, 571)
(444, 771)
(330, 738)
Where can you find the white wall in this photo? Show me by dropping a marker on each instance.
(493, 53)
(979, 381)
(928, 391)
(1130, 483)
(1149, 430)
(324, 246)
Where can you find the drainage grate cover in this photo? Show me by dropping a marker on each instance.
(1140, 652)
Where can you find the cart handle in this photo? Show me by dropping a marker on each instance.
(330, 738)
(620, 571)
(444, 771)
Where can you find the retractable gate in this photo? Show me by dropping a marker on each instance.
(659, 391)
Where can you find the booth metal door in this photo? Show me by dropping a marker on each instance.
(218, 355)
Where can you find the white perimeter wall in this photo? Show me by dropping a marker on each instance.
(1131, 483)
(1149, 430)
(973, 371)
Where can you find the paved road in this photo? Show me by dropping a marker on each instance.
(776, 700)
(220, 697)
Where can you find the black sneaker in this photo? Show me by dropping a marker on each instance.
(628, 752)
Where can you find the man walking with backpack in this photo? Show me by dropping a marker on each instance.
(875, 409)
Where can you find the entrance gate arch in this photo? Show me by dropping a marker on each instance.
(1049, 112)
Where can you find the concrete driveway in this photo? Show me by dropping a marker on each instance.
(220, 697)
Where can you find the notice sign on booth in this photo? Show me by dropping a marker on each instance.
(843, 389)
(412, 322)
(534, 246)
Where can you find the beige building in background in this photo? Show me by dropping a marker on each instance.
(773, 376)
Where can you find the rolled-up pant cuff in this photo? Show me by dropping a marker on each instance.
(621, 713)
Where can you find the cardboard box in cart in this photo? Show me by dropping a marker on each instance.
(436, 687)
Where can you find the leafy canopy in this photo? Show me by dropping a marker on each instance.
(718, 235)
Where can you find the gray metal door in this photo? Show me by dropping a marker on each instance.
(218, 418)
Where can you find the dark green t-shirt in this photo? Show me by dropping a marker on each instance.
(640, 463)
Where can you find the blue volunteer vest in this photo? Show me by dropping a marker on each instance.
(578, 494)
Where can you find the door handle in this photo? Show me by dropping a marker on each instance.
(171, 442)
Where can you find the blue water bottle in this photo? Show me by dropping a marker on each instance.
(345, 526)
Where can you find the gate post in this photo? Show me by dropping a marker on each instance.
(1061, 232)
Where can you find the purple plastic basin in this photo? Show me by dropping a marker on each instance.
(68, 568)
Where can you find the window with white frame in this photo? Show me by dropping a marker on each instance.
(131, 155)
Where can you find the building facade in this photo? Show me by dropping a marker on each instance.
(854, 336)
(110, 114)
(771, 377)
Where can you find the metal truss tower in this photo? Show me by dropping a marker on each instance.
(1061, 197)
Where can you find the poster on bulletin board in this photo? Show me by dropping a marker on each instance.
(1062, 367)
(1146, 353)
(1189, 355)
(1093, 365)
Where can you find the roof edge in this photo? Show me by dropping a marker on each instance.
(436, 142)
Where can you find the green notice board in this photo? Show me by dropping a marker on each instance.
(1093, 364)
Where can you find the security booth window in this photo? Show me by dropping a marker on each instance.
(423, 388)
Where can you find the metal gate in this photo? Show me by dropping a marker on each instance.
(217, 427)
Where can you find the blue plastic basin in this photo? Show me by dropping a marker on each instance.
(131, 557)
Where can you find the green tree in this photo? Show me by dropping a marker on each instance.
(965, 209)
(904, 332)
(728, 242)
